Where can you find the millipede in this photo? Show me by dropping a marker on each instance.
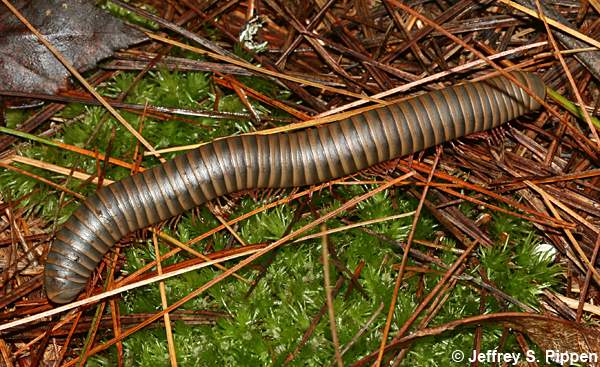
(299, 158)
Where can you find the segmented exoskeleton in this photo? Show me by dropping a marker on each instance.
(290, 159)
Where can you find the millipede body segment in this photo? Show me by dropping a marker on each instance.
(270, 161)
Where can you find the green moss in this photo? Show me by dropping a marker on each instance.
(129, 16)
(519, 269)
(13, 118)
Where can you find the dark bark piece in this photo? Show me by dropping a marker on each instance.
(590, 59)
(83, 33)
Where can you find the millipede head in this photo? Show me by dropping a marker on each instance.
(61, 290)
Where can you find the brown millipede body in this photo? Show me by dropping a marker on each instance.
(298, 158)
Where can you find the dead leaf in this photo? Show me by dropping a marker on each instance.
(557, 338)
(83, 33)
